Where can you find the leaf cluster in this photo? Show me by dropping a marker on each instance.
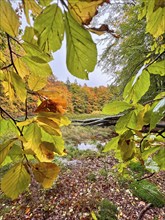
(30, 144)
(132, 143)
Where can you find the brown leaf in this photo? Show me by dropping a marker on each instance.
(84, 11)
(103, 29)
(56, 105)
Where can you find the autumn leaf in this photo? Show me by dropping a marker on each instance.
(9, 21)
(84, 11)
(15, 181)
(55, 105)
(103, 29)
(45, 173)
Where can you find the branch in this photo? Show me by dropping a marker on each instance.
(11, 53)
(156, 58)
(146, 177)
(6, 67)
(144, 211)
(15, 121)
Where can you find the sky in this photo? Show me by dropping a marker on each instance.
(58, 65)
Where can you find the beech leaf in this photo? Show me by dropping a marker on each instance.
(81, 50)
(50, 26)
(9, 19)
(45, 173)
(116, 107)
(15, 181)
(84, 11)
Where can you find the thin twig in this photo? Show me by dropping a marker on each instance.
(6, 67)
(144, 211)
(11, 53)
(146, 177)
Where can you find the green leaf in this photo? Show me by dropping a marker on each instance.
(45, 2)
(16, 153)
(9, 19)
(157, 68)
(126, 146)
(126, 122)
(49, 125)
(81, 50)
(157, 113)
(57, 142)
(15, 181)
(29, 36)
(137, 87)
(155, 24)
(33, 138)
(159, 158)
(50, 26)
(39, 73)
(148, 152)
(45, 173)
(8, 129)
(116, 107)
(36, 54)
(4, 149)
(112, 144)
(21, 67)
(19, 86)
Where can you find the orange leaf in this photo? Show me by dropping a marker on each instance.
(56, 105)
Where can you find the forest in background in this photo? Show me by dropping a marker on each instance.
(79, 99)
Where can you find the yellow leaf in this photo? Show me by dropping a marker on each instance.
(21, 67)
(84, 11)
(26, 122)
(36, 83)
(2, 57)
(4, 149)
(49, 126)
(33, 138)
(9, 21)
(46, 152)
(30, 5)
(57, 141)
(7, 85)
(19, 86)
(65, 121)
(45, 173)
(15, 181)
(156, 23)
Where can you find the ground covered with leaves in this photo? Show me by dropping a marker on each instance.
(86, 180)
